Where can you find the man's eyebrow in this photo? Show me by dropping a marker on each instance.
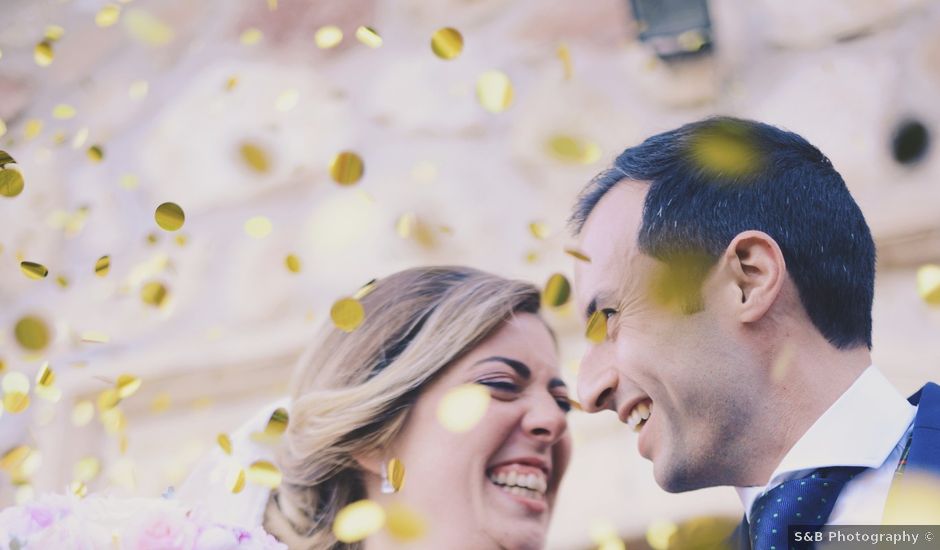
(591, 308)
(518, 366)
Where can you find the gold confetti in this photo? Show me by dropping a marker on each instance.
(87, 469)
(33, 128)
(82, 413)
(46, 376)
(128, 181)
(395, 471)
(557, 291)
(181, 240)
(254, 157)
(15, 402)
(63, 111)
(251, 36)
(725, 150)
(691, 40)
(293, 263)
(108, 15)
(169, 216)
(358, 520)
(114, 421)
(447, 43)
(258, 227)
(62, 281)
(369, 37)
(153, 293)
(236, 481)
(146, 28)
(405, 224)
(328, 37)
(3, 128)
(225, 443)
(95, 337)
(15, 382)
(577, 254)
(928, 283)
(264, 473)
(96, 153)
(540, 230)
(365, 290)
(573, 150)
(564, 54)
(272, 5)
(161, 403)
(32, 333)
(346, 168)
(138, 89)
(231, 83)
(127, 385)
(34, 270)
(287, 100)
(78, 489)
(463, 407)
(108, 399)
(914, 499)
(102, 266)
(54, 33)
(43, 53)
(658, 534)
(347, 314)
(403, 523)
(597, 327)
(11, 180)
(494, 91)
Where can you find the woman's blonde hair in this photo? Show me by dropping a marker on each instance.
(352, 391)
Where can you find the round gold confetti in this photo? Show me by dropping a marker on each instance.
(255, 157)
(577, 254)
(277, 424)
(138, 89)
(78, 489)
(32, 333)
(293, 263)
(3, 128)
(127, 385)
(346, 168)
(597, 327)
(347, 314)
(463, 407)
(147, 28)
(928, 284)
(251, 36)
(540, 230)
(262, 472)
(114, 421)
(161, 402)
(87, 469)
(32, 128)
(128, 181)
(236, 481)
(225, 443)
(395, 471)
(103, 265)
(153, 293)
(11, 179)
(403, 523)
(328, 37)
(15, 402)
(34, 270)
(258, 227)
(15, 382)
(53, 33)
(108, 399)
(369, 37)
(96, 153)
(63, 111)
(231, 83)
(447, 43)
(658, 534)
(494, 91)
(82, 413)
(287, 100)
(169, 216)
(573, 150)
(108, 15)
(62, 281)
(43, 53)
(557, 291)
(358, 520)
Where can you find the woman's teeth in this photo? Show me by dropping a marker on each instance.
(530, 485)
(639, 415)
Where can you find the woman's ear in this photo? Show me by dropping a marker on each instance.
(369, 462)
(758, 269)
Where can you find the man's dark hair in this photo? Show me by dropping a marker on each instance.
(713, 179)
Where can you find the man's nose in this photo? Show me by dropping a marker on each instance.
(597, 383)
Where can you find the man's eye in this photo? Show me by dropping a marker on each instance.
(608, 312)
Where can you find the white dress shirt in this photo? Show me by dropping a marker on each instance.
(867, 426)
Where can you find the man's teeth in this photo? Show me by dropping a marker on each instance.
(639, 415)
(531, 485)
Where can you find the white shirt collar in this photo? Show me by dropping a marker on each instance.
(860, 429)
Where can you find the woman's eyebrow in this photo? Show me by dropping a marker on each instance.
(518, 366)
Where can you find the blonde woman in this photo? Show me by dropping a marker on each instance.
(363, 398)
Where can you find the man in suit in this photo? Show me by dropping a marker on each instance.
(734, 274)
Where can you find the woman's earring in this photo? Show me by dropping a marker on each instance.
(393, 476)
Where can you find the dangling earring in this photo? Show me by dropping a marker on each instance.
(393, 476)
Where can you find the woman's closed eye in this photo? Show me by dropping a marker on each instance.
(507, 386)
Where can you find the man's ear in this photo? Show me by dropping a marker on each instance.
(758, 270)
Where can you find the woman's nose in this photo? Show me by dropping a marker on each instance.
(546, 420)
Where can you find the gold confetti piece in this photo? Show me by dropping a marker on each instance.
(658, 534)
(725, 149)
(254, 157)
(262, 472)
(928, 283)
(277, 424)
(78, 489)
(169, 216)
(87, 469)
(691, 40)
(557, 291)
(365, 289)
(540, 230)
(108, 15)
(346, 168)
(127, 385)
(15, 382)
(597, 327)
(82, 413)
(395, 471)
(96, 153)
(43, 53)
(46, 376)
(347, 314)
(293, 263)
(914, 499)
(108, 399)
(225, 443)
(15, 402)
(63, 111)
(447, 43)
(114, 421)
(405, 224)
(403, 523)
(53, 33)
(369, 37)
(3, 128)
(236, 481)
(102, 266)
(577, 254)
(181, 240)
(494, 91)
(602, 530)
(32, 333)
(564, 54)
(153, 293)
(463, 407)
(95, 337)
(13, 459)
(33, 128)
(62, 281)
(138, 89)
(251, 36)
(231, 83)
(258, 227)
(11, 180)
(328, 37)
(272, 5)
(146, 28)
(287, 100)
(3, 366)
(161, 403)
(34, 270)
(78, 140)
(358, 520)
(572, 150)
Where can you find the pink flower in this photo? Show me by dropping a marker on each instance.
(162, 529)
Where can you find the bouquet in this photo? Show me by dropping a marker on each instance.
(67, 522)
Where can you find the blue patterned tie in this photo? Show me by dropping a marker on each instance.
(802, 501)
